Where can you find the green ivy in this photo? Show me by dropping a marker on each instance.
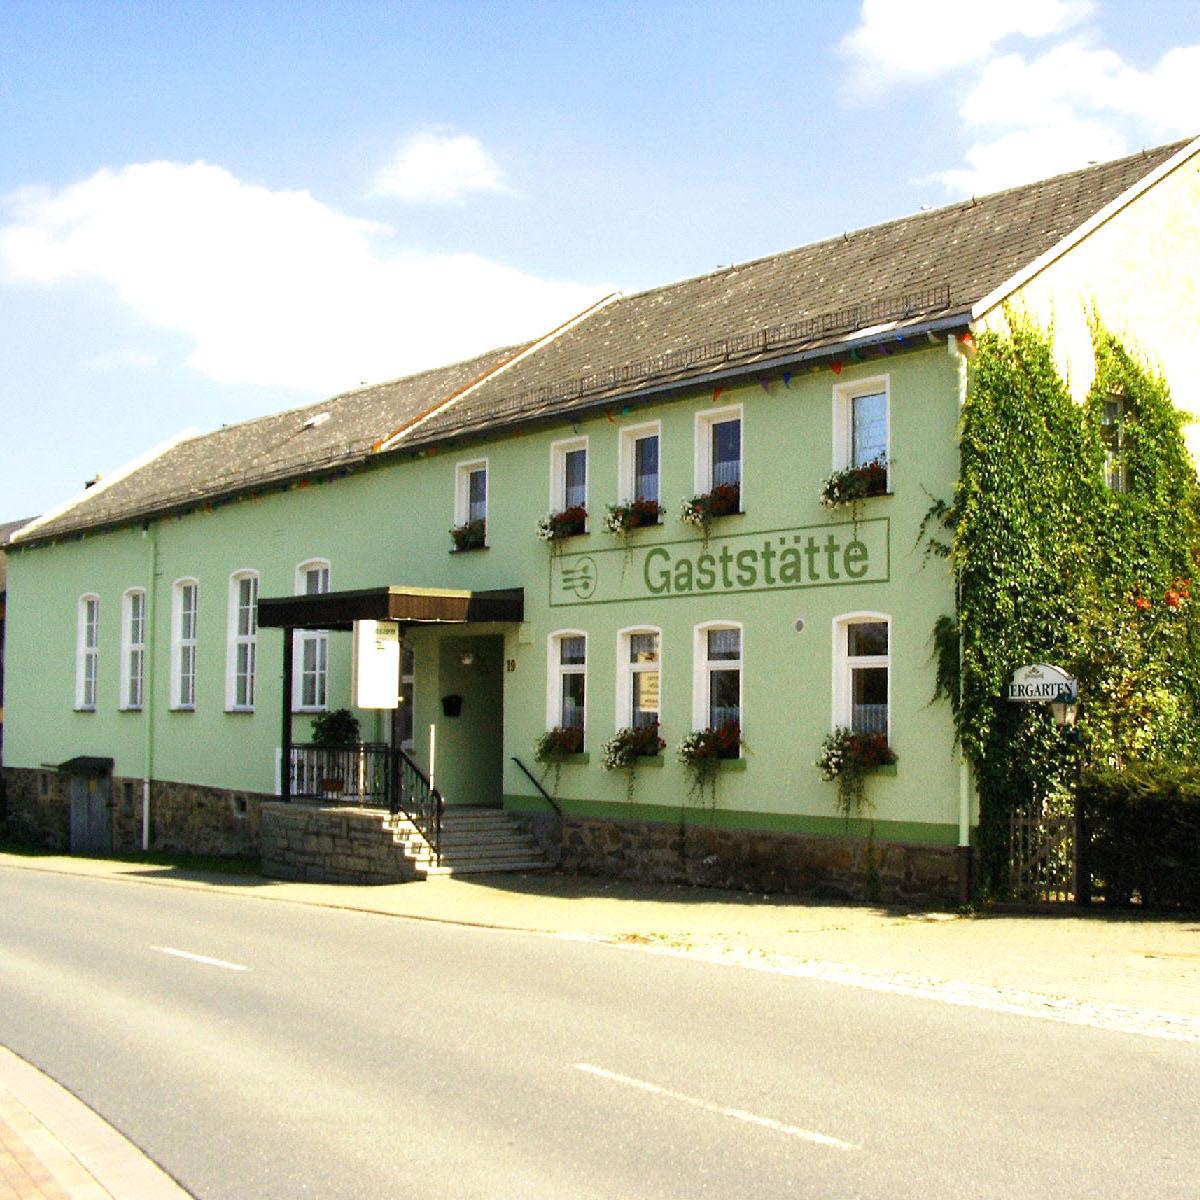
(1053, 566)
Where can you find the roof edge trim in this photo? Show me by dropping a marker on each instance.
(1026, 273)
(122, 472)
(393, 439)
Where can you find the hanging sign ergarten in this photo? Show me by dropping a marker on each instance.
(769, 560)
(1040, 683)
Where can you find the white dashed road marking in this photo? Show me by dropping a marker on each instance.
(200, 958)
(738, 1114)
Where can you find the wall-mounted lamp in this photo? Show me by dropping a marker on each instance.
(467, 658)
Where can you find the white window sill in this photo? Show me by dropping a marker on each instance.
(239, 708)
(85, 708)
(182, 708)
(309, 710)
(133, 708)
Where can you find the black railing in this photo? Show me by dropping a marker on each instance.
(369, 775)
(537, 784)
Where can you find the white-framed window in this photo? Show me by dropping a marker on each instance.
(862, 431)
(717, 679)
(569, 474)
(87, 652)
(133, 649)
(718, 461)
(566, 700)
(1112, 430)
(639, 678)
(185, 615)
(640, 462)
(862, 672)
(471, 494)
(242, 653)
(310, 688)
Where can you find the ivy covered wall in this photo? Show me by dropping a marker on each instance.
(1074, 535)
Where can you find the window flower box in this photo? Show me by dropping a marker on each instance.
(569, 523)
(853, 484)
(471, 536)
(638, 514)
(627, 746)
(847, 758)
(559, 743)
(724, 500)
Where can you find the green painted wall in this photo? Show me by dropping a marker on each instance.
(389, 526)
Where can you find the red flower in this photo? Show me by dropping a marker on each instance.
(1142, 601)
(1172, 599)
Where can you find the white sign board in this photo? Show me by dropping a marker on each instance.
(1040, 683)
(376, 677)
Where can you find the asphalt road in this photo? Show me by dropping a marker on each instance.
(311, 1052)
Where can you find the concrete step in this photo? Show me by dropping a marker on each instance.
(481, 867)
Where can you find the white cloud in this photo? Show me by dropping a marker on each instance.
(921, 39)
(273, 287)
(437, 168)
(1076, 77)
(123, 360)
(1072, 105)
(1027, 154)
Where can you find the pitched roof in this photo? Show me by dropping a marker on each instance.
(6, 531)
(936, 263)
(272, 449)
(924, 269)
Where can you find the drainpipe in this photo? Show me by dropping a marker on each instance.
(149, 531)
(964, 767)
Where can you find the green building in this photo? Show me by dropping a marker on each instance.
(804, 405)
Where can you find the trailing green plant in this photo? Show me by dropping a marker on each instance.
(1051, 564)
(722, 501)
(622, 519)
(554, 746)
(847, 758)
(702, 751)
(569, 523)
(627, 747)
(336, 729)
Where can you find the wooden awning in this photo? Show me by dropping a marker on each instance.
(407, 605)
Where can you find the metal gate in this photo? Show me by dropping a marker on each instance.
(91, 814)
(1042, 859)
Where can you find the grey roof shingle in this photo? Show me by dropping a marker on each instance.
(257, 453)
(931, 264)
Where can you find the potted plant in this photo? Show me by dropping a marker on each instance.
(333, 731)
(621, 519)
(852, 484)
(847, 758)
(471, 536)
(721, 501)
(555, 526)
(627, 747)
(557, 746)
(701, 752)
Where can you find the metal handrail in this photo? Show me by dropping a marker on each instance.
(369, 775)
(537, 784)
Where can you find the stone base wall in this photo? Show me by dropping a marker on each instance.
(331, 845)
(36, 810)
(825, 868)
(185, 818)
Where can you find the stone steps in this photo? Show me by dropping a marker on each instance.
(474, 840)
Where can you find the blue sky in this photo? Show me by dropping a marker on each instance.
(212, 211)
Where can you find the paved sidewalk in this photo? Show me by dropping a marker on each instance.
(1124, 961)
(53, 1147)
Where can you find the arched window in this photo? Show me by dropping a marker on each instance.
(133, 649)
(185, 616)
(311, 687)
(862, 672)
(639, 678)
(566, 702)
(87, 652)
(717, 675)
(242, 653)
